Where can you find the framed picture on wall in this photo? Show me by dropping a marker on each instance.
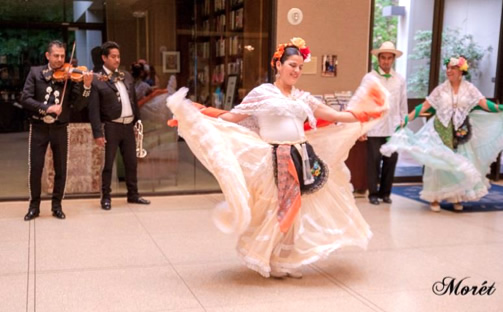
(329, 65)
(230, 91)
(171, 62)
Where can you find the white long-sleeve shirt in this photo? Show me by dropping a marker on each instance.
(397, 103)
(127, 110)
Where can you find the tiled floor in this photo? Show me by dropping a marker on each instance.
(170, 257)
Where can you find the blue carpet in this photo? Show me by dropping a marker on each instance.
(409, 171)
(491, 202)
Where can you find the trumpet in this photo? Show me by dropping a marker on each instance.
(140, 151)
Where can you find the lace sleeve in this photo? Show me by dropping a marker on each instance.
(252, 103)
(474, 95)
(435, 97)
(313, 102)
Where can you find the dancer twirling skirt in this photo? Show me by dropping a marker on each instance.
(287, 191)
(458, 144)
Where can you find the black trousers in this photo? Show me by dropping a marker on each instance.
(120, 136)
(41, 134)
(377, 175)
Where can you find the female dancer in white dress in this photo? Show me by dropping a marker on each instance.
(458, 144)
(263, 165)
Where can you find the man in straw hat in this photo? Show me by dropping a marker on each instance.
(380, 179)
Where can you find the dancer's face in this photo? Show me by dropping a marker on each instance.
(454, 73)
(291, 70)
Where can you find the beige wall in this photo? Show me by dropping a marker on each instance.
(339, 27)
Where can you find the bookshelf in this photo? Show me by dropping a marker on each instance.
(220, 30)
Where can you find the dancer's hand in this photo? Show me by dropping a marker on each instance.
(172, 123)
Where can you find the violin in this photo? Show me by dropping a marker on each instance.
(76, 73)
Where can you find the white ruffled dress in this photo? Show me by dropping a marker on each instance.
(453, 175)
(241, 159)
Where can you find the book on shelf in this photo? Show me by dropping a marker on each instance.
(220, 47)
(238, 19)
(234, 68)
(319, 97)
(236, 2)
(342, 99)
(235, 45)
(206, 25)
(206, 8)
(220, 23)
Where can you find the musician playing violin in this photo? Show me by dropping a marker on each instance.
(49, 99)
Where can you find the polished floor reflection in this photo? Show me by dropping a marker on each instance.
(170, 257)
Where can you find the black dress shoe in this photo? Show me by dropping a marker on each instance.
(387, 200)
(59, 214)
(106, 204)
(374, 200)
(32, 214)
(138, 200)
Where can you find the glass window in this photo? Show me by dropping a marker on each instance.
(19, 50)
(23, 45)
(414, 39)
(52, 11)
(469, 30)
(408, 24)
(206, 45)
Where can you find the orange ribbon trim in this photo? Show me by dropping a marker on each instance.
(292, 211)
(152, 95)
(208, 111)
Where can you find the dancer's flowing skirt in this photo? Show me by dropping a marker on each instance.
(453, 175)
(242, 163)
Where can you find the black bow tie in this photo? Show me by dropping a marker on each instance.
(47, 74)
(116, 76)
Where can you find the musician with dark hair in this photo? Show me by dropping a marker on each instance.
(49, 101)
(113, 102)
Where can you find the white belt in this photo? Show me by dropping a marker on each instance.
(124, 120)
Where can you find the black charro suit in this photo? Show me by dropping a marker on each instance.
(40, 92)
(106, 107)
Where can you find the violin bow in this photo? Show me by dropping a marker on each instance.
(66, 78)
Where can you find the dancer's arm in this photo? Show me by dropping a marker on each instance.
(418, 110)
(233, 117)
(490, 106)
(220, 113)
(326, 113)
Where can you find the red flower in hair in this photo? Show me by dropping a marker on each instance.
(306, 54)
(297, 42)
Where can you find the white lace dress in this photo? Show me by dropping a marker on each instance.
(454, 175)
(240, 157)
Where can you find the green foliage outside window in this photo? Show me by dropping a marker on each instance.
(385, 28)
(453, 44)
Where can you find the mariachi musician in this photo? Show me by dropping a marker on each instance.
(49, 95)
(113, 103)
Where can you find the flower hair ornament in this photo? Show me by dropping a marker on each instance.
(457, 61)
(297, 42)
